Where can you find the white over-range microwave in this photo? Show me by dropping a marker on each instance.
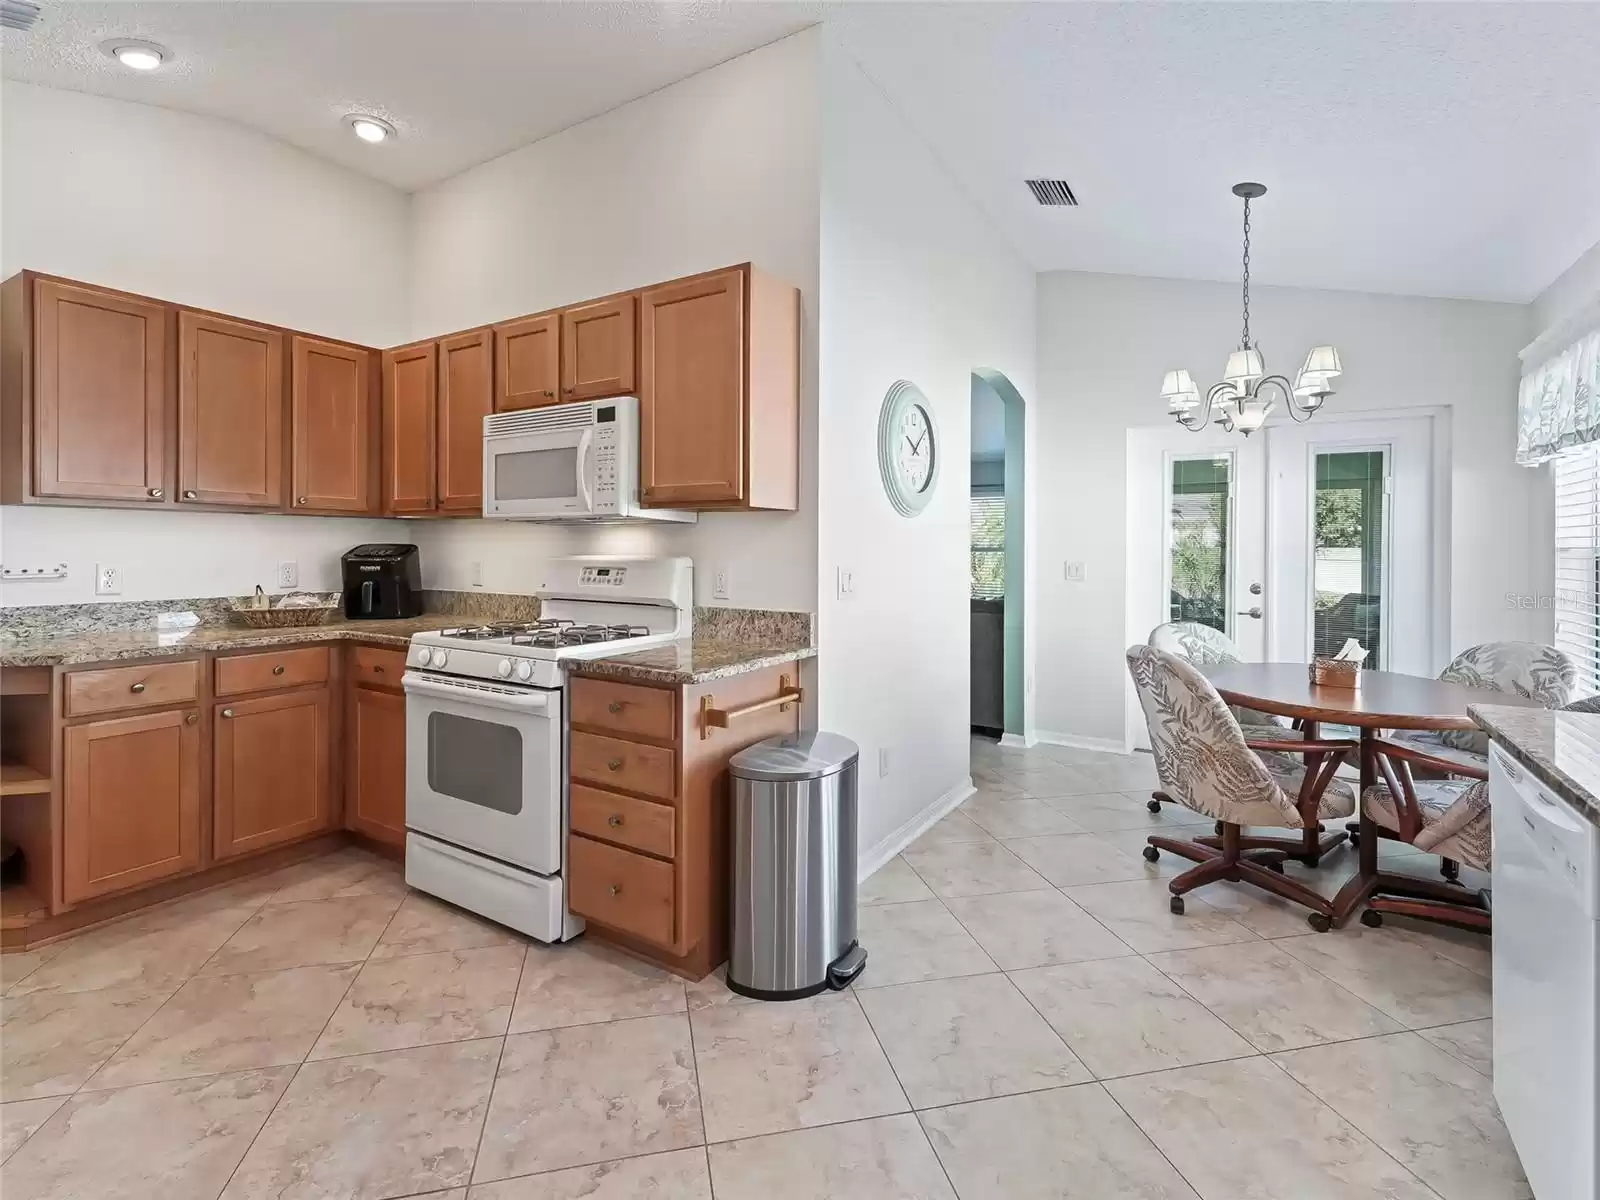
(567, 462)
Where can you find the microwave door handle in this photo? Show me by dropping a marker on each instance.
(583, 470)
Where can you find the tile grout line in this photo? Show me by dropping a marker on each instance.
(494, 1079)
(699, 1092)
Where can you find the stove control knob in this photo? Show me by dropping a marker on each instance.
(439, 656)
(524, 671)
(424, 656)
(503, 668)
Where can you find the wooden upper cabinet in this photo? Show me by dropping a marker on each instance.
(527, 362)
(100, 394)
(230, 412)
(332, 427)
(719, 392)
(270, 770)
(130, 801)
(597, 342)
(410, 380)
(466, 396)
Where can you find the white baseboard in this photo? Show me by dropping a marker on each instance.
(897, 840)
(1018, 741)
(1105, 745)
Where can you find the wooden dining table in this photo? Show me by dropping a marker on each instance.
(1382, 700)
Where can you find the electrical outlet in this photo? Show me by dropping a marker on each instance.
(107, 580)
(288, 574)
(719, 586)
(847, 582)
(1077, 572)
(883, 763)
(476, 573)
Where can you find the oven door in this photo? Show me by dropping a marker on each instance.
(483, 768)
(539, 475)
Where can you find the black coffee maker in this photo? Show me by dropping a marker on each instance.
(382, 580)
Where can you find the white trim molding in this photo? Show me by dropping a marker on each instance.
(898, 839)
(1018, 741)
(1106, 745)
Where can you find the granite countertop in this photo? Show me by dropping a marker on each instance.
(1561, 748)
(70, 647)
(696, 660)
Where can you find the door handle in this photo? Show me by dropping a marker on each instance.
(1253, 611)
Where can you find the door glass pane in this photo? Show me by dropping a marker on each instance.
(988, 545)
(1348, 553)
(1199, 540)
(479, 762)
(536, 474)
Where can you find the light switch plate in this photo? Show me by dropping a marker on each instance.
(883, 763)
(107, 580)
(847, 582)
(1077, 572)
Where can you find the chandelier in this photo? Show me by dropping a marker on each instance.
(1247, 393)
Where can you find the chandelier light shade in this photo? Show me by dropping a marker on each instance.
(1247, 395)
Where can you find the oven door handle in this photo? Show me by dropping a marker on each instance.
(488, 695)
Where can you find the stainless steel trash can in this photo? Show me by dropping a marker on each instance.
(794, 867)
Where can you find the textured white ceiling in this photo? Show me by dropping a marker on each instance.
(463, 82)
(1434, 149)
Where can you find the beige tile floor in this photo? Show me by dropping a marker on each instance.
(1032, 1023)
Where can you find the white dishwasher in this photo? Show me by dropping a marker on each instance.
(1546, 961)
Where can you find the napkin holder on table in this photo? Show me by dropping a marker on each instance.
(1343, 669)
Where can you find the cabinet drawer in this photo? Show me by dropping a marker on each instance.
(119, 688)
(611, 763)
(621, 889)
(624, 709)
(271, 670)
(373, 666)
(623, 820)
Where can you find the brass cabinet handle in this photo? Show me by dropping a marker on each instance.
(614, 822)
(137, 688)
(155, 493)
(614, 765)
(278, 670)
(227, 712)
(614, 707)
(191, 719)
(189, 495)
(616, 889)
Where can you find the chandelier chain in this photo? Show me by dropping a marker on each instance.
(1244, 337)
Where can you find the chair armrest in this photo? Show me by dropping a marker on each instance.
(1411, 754)
(1303, 745)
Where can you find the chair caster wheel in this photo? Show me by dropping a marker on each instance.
(1371, 919)
(1450, 869)
(1176, 905)
(1219, 828)
(1313, 861)
(1153, 805)
(1151, 854)
(1355, 840)
(1320, 922)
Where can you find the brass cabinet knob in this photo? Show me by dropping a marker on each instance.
(137, 688)
(155, 493)
(227, 712)
(548, 392)
(189, 495)
(614, 822)
(299, 499)
(614, 707)
(278, 670)
(191, 719)
(377, 669)
(614, 765)
(616, 889)
(569, 391)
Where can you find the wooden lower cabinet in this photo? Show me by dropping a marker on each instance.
(375, 765)
(130, 801)
(270, 770)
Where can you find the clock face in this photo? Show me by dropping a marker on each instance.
(908, 448)
(914, 453)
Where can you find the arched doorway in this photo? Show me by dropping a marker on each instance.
(1000, 619)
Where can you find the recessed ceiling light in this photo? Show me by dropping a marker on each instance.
(135, 54)
(370, 129)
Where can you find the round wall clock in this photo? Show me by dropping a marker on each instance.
(908, 448)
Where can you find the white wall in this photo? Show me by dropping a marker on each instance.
(1575, 289)
(916, 285)
(718, 169)
(207, 213)
(1105, 341)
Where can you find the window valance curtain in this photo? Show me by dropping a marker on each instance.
(1559, 402)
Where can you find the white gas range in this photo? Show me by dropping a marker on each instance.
(486, 743)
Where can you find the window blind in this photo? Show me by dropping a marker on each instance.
(1577, 555)
(988, 545)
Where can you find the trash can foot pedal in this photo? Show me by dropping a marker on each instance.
(843, 970)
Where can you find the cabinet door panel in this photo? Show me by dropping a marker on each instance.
(409, 402)
(130, 802)
(270, 777)
(597, 349)
(527, 358)
(691, 394)
(332, 426)
(100, 394)
(375, 742)
(466, 396)
(230, 412)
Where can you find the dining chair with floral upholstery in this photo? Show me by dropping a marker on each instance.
(1206, 764)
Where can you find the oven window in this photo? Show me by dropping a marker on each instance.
(536, 474)
(479, 762)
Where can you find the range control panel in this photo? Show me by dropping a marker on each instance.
(603, 576)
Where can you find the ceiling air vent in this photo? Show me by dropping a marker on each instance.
(1053, 192)
(18, 14)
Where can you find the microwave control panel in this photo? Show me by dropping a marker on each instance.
(607, 458)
